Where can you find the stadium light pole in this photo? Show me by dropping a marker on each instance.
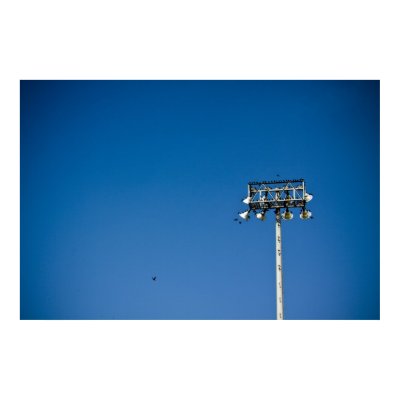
(277, 195)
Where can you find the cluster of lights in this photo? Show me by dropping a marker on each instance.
(287, 215)
(262, 204)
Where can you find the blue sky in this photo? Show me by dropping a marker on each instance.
(124, 180)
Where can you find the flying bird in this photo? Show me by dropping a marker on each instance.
(154, 278)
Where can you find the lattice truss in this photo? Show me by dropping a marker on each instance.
(277, 194)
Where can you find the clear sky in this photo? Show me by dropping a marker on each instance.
(125, 180)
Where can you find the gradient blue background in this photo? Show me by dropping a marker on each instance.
(122, 180)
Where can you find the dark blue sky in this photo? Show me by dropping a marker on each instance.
(122, 180)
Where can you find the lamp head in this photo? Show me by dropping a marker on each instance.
(261, 216)
(305, 214)
(308, 197)
(245, 215)
(287, 215)
(247, 200)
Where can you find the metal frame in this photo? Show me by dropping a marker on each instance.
(263, 197)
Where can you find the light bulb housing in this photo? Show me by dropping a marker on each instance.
(305, 214)
(287, 215)
(245, 215)
(308, 197)
(247, 200)
(261, 216)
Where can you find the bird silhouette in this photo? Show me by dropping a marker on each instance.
(154, 278)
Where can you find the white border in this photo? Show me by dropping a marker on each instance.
(197, 40)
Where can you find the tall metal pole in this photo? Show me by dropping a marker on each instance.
(279, 281)
(277, 195)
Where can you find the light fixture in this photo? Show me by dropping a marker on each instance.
(305, 214)
(287, 215)
(308, 197)
(247, 200)
(245, 215)
(278, 199)
(261, 216)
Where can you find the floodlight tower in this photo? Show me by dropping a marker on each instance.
(277, 195)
